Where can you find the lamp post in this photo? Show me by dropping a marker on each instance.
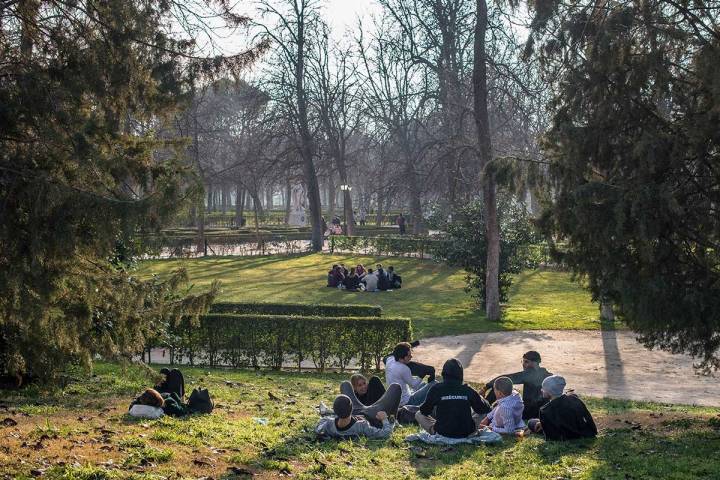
(346, 191)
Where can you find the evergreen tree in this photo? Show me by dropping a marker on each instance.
(635, 147)
(83, 85)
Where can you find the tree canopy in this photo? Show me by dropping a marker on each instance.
(84, 87)
(635, 153)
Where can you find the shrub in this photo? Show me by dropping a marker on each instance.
(272, 340)
(320, 310)
(387, 245)
(466, 245)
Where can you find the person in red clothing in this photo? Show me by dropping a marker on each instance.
(401, 223)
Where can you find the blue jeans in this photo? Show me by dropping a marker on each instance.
(418, 398)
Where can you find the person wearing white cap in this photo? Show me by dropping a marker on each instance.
(564, 416)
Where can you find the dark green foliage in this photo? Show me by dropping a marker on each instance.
(635, 151)
(319, 310)
(271, 340)
(83, 88)
(466, 246)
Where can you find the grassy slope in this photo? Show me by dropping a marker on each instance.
(433, 295)
(83, 433)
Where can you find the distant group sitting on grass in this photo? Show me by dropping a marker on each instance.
(451, 411)
(359, 278)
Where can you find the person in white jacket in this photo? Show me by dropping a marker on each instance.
(414, 390)
(344, 424)
(371, 281)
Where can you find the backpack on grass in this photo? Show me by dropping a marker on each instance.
(200, 401)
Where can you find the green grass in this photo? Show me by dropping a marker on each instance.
(637, 440)
(432, 296)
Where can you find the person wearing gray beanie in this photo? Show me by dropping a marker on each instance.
(553, 386)
(564, 416)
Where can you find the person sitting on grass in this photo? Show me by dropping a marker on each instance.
(414, 390)
(394, 279)
(451, 404)
(506, 416)
(344, 424)
(148, 404)
(366, 391)
(360, 270)
(564, 416)
(352, 281)
(370, 281)
(332, 279)
(383, 283)
(531, 379)
(388, 402)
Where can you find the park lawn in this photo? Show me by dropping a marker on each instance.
(433, 294)
(263, 425)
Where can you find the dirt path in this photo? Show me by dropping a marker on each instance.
(597, 363)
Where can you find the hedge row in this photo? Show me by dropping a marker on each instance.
(388, 245)
(273, 340)
(319, 310)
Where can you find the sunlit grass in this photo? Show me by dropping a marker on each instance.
(637, 439)
(433, 294)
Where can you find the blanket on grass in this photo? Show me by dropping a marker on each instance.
(482, 436)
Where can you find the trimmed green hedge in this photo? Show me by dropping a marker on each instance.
(272, 340)
(320, 310)
(388, 245)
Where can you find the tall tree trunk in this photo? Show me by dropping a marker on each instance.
(209, 197)
(269, 199)
(288, 204)
(225, 194)
(414, 192)
(306, 141)
(257, 210)
(378, 214)
(257, 205)
(331, 196)
(347, 198)
(239, 196)
(492, 226)
(243, 196)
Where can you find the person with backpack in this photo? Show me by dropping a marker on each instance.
(167, 398)
(452, 408)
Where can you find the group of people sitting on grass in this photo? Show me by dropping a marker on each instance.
(360, 279)
(452, 409)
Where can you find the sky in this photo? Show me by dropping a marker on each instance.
(341, 14)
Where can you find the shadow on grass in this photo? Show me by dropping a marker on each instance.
(332, 458)
(684, 450)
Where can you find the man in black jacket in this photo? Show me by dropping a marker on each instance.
(531, 379)
(564, 416)
(451, 404)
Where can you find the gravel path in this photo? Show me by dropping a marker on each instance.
(596, 363)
